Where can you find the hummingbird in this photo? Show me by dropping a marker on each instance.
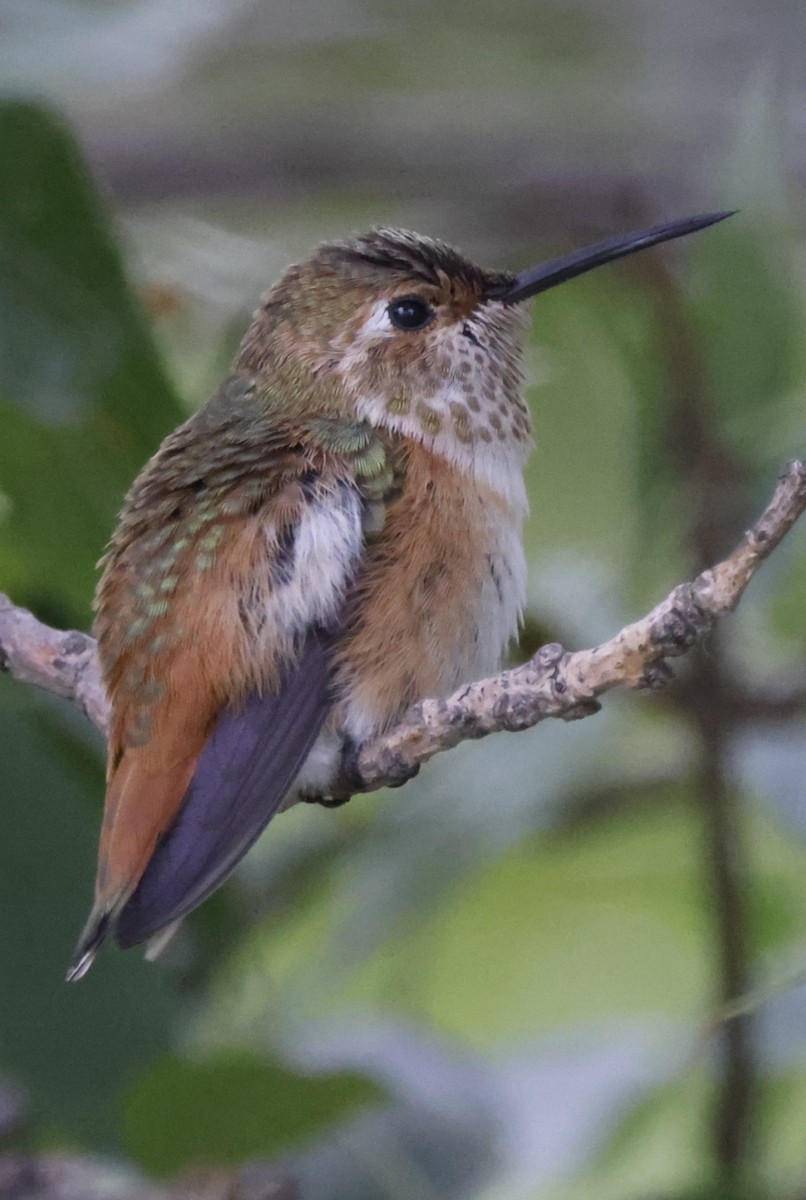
(334, 535)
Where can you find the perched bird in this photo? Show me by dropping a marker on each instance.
(334, 535)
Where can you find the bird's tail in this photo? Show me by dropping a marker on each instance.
(99, 924)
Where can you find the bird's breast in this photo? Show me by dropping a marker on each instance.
(439, 595)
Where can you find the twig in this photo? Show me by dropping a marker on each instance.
(554, 683)
(64, 663)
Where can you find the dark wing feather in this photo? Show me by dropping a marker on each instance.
(242, 776)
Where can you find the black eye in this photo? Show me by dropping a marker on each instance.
(410, 312)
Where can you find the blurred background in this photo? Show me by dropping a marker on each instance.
(565, 963)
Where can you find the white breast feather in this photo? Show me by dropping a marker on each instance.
(502, 598)
(327, 549)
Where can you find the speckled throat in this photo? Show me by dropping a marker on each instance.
(462, 397)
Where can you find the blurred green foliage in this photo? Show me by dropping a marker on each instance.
(75, 356)
(501, 983)
(83, 399)
(232, 1107)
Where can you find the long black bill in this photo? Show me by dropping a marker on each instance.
(558, 270)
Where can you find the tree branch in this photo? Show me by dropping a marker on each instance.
(64, 663)
(554, 683)
(73, 1177)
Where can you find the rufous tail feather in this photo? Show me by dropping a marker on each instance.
(141, 805)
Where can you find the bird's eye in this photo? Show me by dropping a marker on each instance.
(410, 312)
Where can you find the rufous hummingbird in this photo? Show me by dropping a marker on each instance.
(333, 536)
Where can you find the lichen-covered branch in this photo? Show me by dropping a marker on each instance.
(61, 662)
(70, 1177)
(554, 683)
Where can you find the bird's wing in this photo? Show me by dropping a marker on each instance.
(241, 776)
(221, 588)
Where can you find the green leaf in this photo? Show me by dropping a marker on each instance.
(660, 1148)
(231, 1107)
(609, 920)
(83, 399)
(68, 1045)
